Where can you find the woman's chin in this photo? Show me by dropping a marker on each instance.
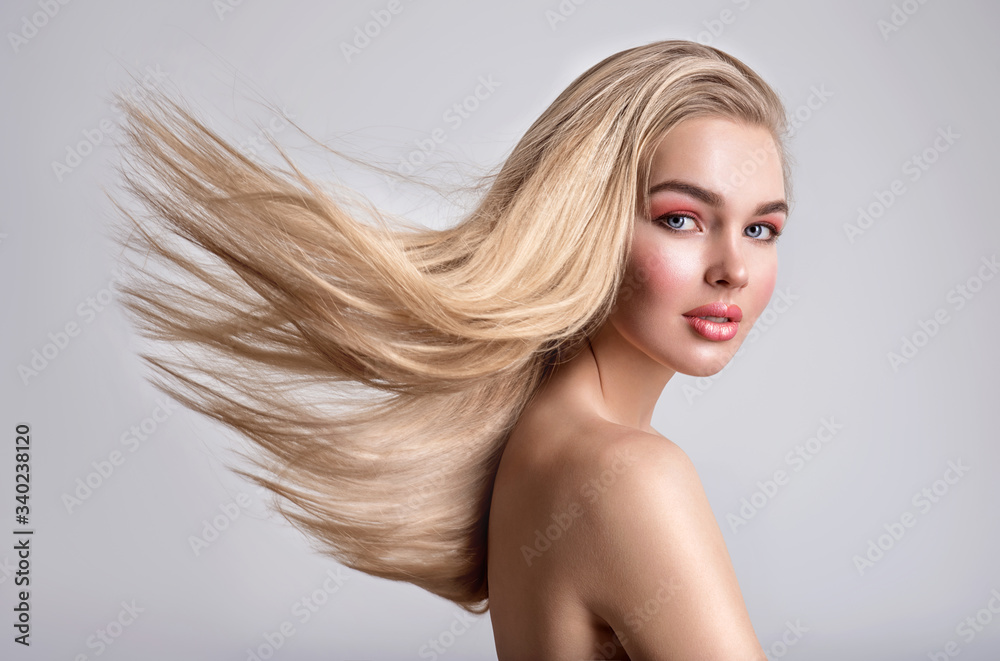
(708, 365)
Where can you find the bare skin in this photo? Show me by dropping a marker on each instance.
(602, 543)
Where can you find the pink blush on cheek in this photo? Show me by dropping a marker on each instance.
(763, 289)
(668, 275)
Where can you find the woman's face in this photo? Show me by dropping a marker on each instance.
(717, 202)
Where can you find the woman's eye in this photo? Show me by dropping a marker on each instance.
(679, 222)
(758, 232)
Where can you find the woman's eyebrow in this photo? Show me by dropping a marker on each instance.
(713, 199)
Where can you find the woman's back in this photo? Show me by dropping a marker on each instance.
(541, 493)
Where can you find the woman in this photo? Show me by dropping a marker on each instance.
(421, 401)
(601, 539)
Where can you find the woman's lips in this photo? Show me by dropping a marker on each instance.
(716, 321)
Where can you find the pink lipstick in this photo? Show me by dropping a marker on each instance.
(716, 321)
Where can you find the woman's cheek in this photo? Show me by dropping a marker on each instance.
(652, 314)
(763, 288)
(669, 274)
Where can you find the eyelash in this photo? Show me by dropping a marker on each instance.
(771, 239)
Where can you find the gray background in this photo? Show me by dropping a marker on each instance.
(885, 97)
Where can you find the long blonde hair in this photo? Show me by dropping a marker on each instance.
(378, 369)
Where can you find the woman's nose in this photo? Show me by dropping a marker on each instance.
(726, 264)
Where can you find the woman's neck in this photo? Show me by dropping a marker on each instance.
(614, 378)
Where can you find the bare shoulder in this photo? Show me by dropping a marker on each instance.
(611, 466)
(598, 526)
(589, 480)
(638, 459)
(592, 462)
(650, 558)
